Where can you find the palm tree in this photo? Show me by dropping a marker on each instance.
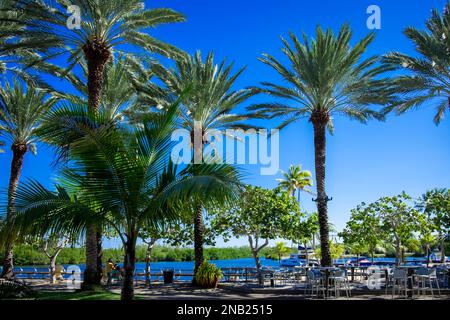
(207, 102)
(326, 77)
(105, 27)
(64, 125)
(121, 172)
(427, 78)
(296, 179)
(21, 110)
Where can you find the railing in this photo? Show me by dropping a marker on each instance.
(230, 274)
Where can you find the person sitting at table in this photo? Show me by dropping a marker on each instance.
(108, 269)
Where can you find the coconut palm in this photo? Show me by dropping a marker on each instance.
(64, 125)
(326, 76)
(21, 110)
(123, 172)
(426, 81)
(296, 179)
(207, 102)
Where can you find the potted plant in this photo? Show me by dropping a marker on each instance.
(208, 275)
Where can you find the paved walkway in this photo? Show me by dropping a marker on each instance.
(225, 292)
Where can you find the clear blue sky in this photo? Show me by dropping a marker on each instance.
(364, 162)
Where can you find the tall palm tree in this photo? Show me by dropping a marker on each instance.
(427, 78)
(326, 76)
(123, 172)
(207, 102)
(21, 110)
(105, 26)
(296, 179)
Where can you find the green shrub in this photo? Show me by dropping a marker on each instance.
(208, 275)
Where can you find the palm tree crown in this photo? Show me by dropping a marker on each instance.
(21, 111)
(296, 179)
(105, 26)
(326, 76)
(428, 75)
(205, 90)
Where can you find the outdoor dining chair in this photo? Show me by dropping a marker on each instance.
(425, 278)
(399, 281)
(442, 274)
(339, 281)
(314, 282)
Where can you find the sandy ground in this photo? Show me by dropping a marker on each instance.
(227, 292)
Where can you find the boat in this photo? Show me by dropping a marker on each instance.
(435, 257)
(299, 259)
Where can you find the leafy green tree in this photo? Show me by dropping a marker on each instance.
(280, 250)
(21, 112)
(427, 240)
(326, 76)
(303, 231)
(426, 80)
(296, 179)
(208, 102)
(399, 220)
(336, 250)
(436, 205)
(260, 215)
(363, 232)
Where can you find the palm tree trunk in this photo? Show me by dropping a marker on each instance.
(129, 266)
(91, 275)
(322, 206)
(306, 253)
(198, 238)
(98, 242)
(443, 251)
(19, 151)
(97, 55)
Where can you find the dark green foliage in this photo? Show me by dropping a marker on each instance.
(10, 289)
(32, 255)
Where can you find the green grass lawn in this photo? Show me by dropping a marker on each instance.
(80, 295)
